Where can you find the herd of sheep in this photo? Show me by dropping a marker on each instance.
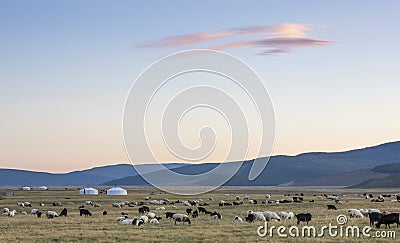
(194, 208)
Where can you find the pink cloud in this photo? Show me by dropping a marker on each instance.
(276, 39)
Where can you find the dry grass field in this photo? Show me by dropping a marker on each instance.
(99, 228)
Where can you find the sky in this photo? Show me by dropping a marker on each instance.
(66, 67)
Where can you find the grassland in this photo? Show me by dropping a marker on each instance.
(99, 228)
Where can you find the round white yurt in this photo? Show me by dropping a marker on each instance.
(43, 188)
(89, 191)
(117, 191)
(26, 188)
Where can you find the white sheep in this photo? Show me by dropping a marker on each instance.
(34, 211)
(181, 218)
(173, 206)
(258, 216)
(268, 196)
(144, 219)
(364, 212)
(160, 208)
(151, 215)
(128, 221)
(122, 218)
(116, 205)
(154, 221)
(12, 213)
(286, 215)
(269, 216)
(51, 214)
(237, 219)
(374, 210)
(355, 213)
(21, 204)
(6, 210)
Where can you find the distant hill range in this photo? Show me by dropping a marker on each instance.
(377, 166)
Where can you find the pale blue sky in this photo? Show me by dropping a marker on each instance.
(67, 66)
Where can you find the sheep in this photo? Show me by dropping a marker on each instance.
(116, 205)
(154, 221)
(127, 221)
(355, 213)
(286, 215)
(202, 210)
(143, 220)
(374, 217)
(160, 208)
(221, 203)
(181, 218)
(216, 215)
(85, 212)
(64, 212)
(269, 216)
(169, 215)
(119, 219)
(105, 213)
(253, 202)
(51, 214)
(12, 213)
(39, 214)
(195, 214)
(57, 204)
(303, 217)
(392, 218)
(89, 203)
(237, 219)
(27, 204)
(173, 206)
(331, 207)
(187, 204)
(21, 204)
(268, 196)
(144, 209)
(41, 204)
(151, 215)
(6, 210)
(97, 205)
(374, 210)
(332, 197)
(255, 216)
(364, 212)
(189, 211)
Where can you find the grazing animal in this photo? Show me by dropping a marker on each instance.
(286, 215)
(128, 221)
(195, 214)
(374, 217)
(216, 215)
(51, 214)
(154, 221)
(269, 216)
(121, 218)
(39, 214)
(57, 204)
(364, 212)
(178, 217)
(189, 211)
(151, 215)
(143, 220)
(202, 210)
(253, 202)
(160, 208)
(331, 207)
(97, 205)
(303, 217)
(105, 213)
(237, 219)
(85, 212)
(392, 218)
(355, 213)
(34, 211)
(143, 210)
(64, 212)
(116, 205)
(169, 215)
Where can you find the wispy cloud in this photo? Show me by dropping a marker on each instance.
(273, 39)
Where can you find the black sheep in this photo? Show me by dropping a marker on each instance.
(85, 212)
(303, 217)
(392, 218)
(64, 212)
